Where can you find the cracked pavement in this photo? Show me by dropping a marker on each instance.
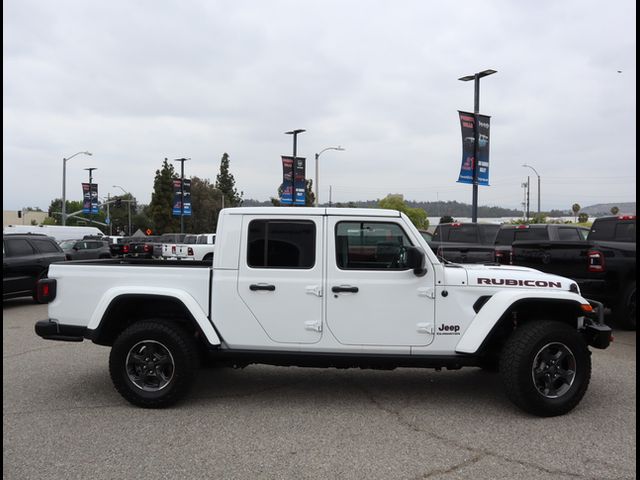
(62, 418)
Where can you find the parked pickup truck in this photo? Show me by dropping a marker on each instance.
(534, 232)
(465, 242)
(603, 265)
(332, 287)
(202, 248)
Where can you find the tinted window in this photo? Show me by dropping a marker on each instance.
(568, 234)
(18, 247)
(505, 236)
(530, 234)
(463, 234)
(370, 245)
(46, 246)
(603, 230)
(489, 233)
(281, 244)
(626, 232)
(190, 239)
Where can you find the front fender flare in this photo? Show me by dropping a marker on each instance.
(497, 305)
(183, 297)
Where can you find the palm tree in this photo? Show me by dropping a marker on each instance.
(576, 208)
(614, 210)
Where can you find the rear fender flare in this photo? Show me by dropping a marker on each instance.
(180, 295)
(495, 308)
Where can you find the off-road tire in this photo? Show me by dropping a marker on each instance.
(169, 338)
(522, 352)
(625, 310)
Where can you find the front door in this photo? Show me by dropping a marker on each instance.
(373, 298)
(280, 278)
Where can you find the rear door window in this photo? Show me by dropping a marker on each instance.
(18, 247)
(281, 244)
(46, 246)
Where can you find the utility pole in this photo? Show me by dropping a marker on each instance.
(109, 216)
(181, 160)
(476, 147)
(528, 195)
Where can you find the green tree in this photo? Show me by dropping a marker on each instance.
(206, 203)
(583, 218)
(227, 184)
(55, 212)
(161, 206)
(417, 215)
(575, 208)
(614, 210)
(447, 219)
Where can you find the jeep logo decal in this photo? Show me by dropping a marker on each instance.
(448, 330)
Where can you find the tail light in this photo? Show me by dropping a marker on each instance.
(596, 261)
(46, 290)
(125, 249)
(504, 257)
(147, 248)
(190, 251)
(627, 217)
(173, 249)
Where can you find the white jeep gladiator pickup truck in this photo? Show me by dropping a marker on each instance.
(326, 287)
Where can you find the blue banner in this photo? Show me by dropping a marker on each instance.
(299, 181)
(286, 189)
(90, 198)
(467, 125)
(177, 198)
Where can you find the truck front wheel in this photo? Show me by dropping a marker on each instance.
(545, 368)
(153, 363)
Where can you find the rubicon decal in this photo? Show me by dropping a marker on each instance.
(519, 283)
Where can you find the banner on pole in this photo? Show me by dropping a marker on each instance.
(177, 197)
(286, 195)
(90, 198)
(299, 181)
(467, 125)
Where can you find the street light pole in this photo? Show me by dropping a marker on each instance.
(181, 160)
(317, 157)
(91, 194)
(295, 152)
(128, 204)
(64, 184)
(536, 172)
(476, 148)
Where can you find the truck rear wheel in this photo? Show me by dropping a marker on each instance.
(153, 363)
(625, 310)
(546, 368)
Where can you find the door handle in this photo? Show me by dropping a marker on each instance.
(344, 288)
(253, 287)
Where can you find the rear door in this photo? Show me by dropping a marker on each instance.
(373, 299)
(20, 267)
(280, 275)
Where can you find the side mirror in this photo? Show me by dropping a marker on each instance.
(416, 260)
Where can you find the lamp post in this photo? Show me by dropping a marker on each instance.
(476, 149)
(295, 151)
(128, 204)
(91, 194)
(317, 157)
(535, 171)
(181, 160)
(64, 184)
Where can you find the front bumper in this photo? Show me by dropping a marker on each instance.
(595, 331)
(50, 330)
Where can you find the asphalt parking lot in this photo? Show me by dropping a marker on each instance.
(63, 419)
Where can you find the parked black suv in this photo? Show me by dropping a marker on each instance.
(25, 259)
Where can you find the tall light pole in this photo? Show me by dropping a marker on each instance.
(535, 171)
(476, 148)
(295, 152)
(91, 194)
(317, 157)
(181, 160)
(128, 204)
(64, 184)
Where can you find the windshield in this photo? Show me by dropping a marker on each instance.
(67, 244)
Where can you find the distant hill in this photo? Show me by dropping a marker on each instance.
(605, 208)
(458, 209)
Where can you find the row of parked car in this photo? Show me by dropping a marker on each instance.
(601, 259)
(27, 256)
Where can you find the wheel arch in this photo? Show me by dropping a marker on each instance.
(121, 310)
(499, 317)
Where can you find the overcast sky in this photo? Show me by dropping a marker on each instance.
(134, 82)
